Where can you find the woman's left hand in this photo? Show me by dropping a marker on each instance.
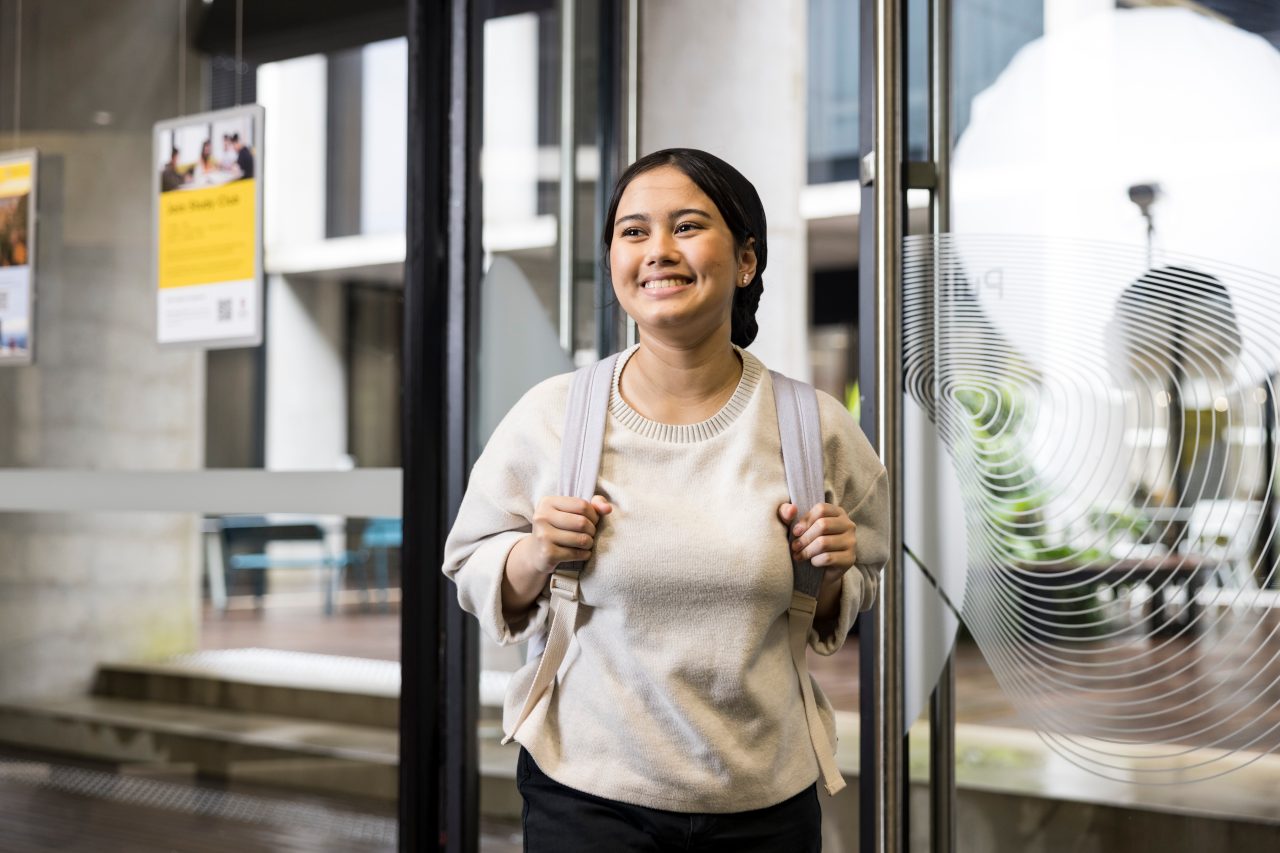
(826, 537)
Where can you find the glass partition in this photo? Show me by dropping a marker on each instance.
(165, 671)
(170, 601)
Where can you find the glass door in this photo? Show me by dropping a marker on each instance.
(1097, 399)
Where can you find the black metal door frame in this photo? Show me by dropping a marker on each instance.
(439, 779)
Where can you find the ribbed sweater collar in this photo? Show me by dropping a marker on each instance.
(752, 369)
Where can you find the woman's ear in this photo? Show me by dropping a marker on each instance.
(747, 262)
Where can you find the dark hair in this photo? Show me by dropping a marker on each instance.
(737, 201)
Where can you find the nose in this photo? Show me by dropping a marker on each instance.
(661, 249)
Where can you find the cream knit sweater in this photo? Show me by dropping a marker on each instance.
(678, 691)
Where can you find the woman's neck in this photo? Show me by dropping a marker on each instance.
(675, 385)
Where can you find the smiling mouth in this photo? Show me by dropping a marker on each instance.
(663, 283)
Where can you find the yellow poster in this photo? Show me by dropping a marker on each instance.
(17, 255)
(208, 228)
(208, 235)
(15, 178)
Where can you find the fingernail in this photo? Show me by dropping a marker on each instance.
(797, 530)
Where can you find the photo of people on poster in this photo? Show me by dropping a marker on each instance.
(207, 154)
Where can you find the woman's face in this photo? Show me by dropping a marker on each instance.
(673, 260)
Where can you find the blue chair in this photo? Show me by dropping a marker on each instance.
(379, 537)
(244, 546)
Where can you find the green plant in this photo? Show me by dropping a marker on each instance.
(1012, 494)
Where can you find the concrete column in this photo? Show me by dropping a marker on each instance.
(294, 94)
(384, 134)
(306, 375)
(509, 159)
(728, 76)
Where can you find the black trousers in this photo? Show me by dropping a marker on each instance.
(559, 819)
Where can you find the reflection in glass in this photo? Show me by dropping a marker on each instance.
(1116, 472)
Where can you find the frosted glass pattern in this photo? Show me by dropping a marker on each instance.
(1111, 423)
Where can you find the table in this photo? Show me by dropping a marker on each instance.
(1162, 573)
(250, 535)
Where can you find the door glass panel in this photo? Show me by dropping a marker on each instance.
(1110, 407)
(520, 304)
(808, 317)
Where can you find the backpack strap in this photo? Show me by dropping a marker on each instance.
(801, 434)
(580, 449)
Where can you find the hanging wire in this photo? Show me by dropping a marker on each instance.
(182, 57)
(17, 75)
(239, 46)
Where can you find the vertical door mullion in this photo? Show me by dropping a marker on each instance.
(942, 712)
(461, 695)
(423, 433)
(868, 383)
(610, 53)
(883, 778)
(438, 767)
(568, 16)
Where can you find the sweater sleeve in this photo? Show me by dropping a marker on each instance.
(856, 481)
(515, 470)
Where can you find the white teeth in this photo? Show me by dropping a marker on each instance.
(665, 282)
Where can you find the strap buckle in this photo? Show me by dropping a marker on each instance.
(803, 603)
(565, 587)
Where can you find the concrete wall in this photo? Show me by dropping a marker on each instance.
(729, 77)
(78, 589)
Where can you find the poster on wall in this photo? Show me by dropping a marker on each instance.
(17, 255)
(207, 191)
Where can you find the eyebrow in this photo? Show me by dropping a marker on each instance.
(675, 214)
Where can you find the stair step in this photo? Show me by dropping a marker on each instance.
(291, 752)
(264, 681)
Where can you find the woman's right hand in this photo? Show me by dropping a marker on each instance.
(564, 531)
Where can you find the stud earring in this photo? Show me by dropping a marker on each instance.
(746, 278)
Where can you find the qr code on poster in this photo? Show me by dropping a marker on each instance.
(224, 310)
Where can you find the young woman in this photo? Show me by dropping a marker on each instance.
(676, 720)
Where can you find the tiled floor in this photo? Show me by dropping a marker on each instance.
(77, 806)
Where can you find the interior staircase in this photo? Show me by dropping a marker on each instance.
(306, 722)
(296, 721)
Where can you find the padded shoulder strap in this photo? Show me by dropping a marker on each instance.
(580, 449)
(584, 428)
(801, 433)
